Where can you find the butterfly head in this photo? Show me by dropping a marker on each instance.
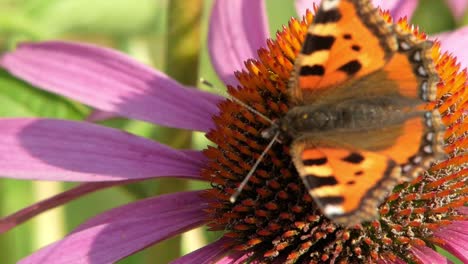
(281, 127)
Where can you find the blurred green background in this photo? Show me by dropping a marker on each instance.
(149, 31)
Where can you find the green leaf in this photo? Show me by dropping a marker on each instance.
(19, 99)
(17, 243)
(464, 20)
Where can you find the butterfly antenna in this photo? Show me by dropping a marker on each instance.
(238, 191)
(207, 83)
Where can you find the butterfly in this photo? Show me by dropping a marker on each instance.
(358, 121)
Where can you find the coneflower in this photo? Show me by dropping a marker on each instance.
(274, 220)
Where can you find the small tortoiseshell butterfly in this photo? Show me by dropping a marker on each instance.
(358, 122)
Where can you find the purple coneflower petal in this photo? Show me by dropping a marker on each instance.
(397, 8)
(236, 258)
(99, 115)
(387, 261)
(205, 255)
(125, 230)
(19, 217)
(112, 82)
(455, 42)
(463, 210)
(428, 255)
(237, 30)
(60, 150)
(458, 7)
(456, 239)
(303, 5)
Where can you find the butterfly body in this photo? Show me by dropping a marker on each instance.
(357, 120)
(352, 115)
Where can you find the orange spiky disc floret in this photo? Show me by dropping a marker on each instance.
(275, 219)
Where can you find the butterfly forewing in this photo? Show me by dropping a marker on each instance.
(334, 50)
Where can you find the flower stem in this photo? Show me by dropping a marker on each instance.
(182, 59)
(183, 40)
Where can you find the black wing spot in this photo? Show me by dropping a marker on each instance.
(359, 173)
(330, 16)
(313, 181)
(347, 36)
(351, 67)
(331, 199)
(356, 47)
(312, 70)
(351, 182)
(315, 162)
(315, 43)
(353, 158)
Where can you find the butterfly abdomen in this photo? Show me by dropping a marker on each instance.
(354, 115)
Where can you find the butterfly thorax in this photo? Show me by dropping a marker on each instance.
(352, 115)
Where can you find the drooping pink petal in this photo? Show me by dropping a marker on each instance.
(387, 261)
(428, 256)
(303, 5)
(112, 82)
(235, 258)
(99, 115)
(397, 8)
(17, 218)
(120, 232)
(205, 255)
(456, 239)
(60, 150)
(458, 7)
(455, 42)
(196, 157)
(463, 210)
(237, 30)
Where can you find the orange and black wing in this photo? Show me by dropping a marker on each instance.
(411, 71)
(347, 39)
(347, 185)
(349, 175)
(350, 51)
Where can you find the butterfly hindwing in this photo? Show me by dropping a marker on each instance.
(349, 173)
(342, 181)
(411, 69)
(419, 143)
